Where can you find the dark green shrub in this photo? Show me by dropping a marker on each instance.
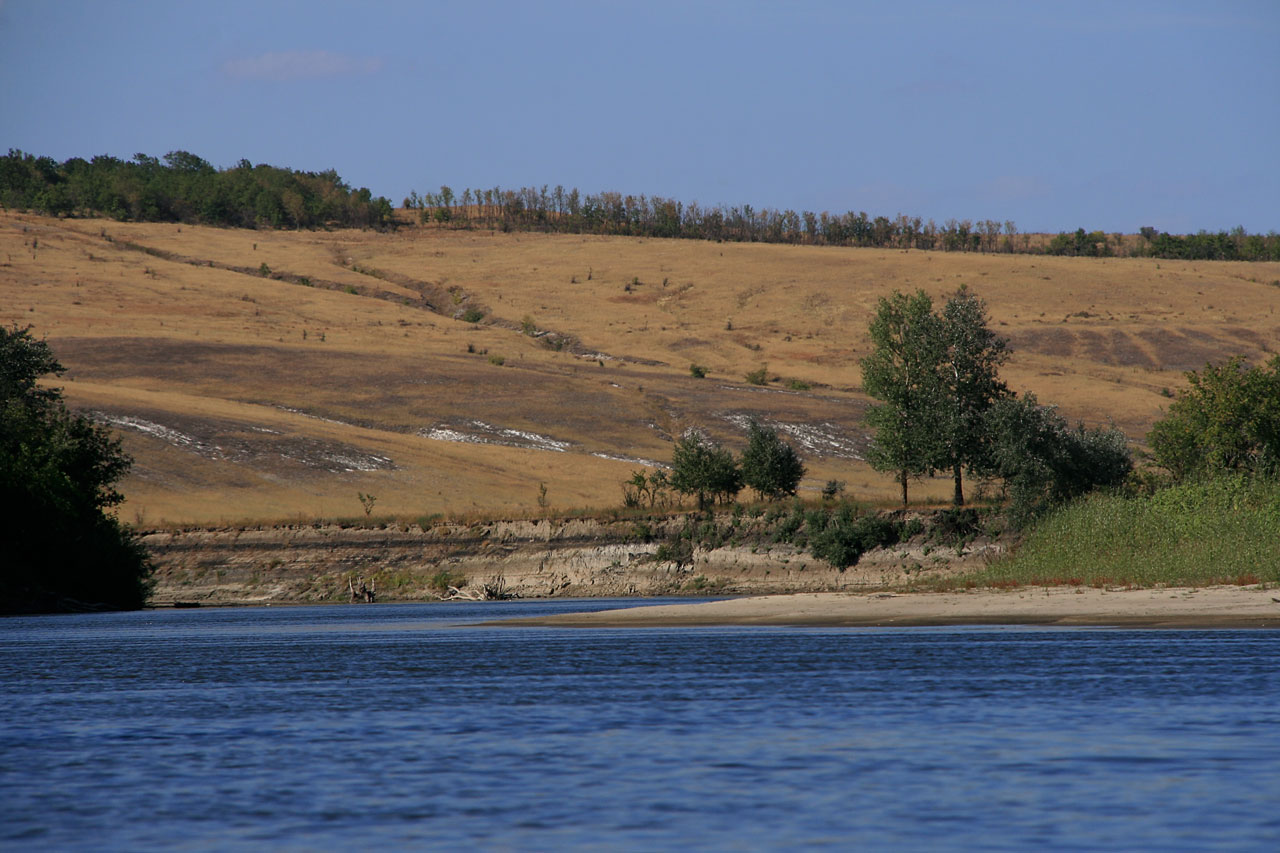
(956, 525)
(846, 536)
(769, 464)
(788, 529)
(1044, 462)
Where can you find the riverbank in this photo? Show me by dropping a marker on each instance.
(536, 558)
(1212, 607)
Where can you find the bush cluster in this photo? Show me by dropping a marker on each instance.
(843, 536)
(709, 472)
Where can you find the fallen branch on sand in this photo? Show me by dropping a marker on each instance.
(492, 590)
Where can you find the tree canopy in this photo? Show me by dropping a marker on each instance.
(1227, 419)
(936, 375)
(58, 469)
(769, 464)
(971, 384)
(700, 467)
(902, 371)
(1044, 461)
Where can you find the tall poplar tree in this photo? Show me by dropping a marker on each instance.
(903, 371)
(971, 385)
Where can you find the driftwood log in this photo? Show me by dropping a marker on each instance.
(368, 592)
(494, 589)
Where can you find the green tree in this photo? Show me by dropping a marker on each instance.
(1227, 419)
(1045, 462)
(903, 371)
(970, 385)
(57, 473)
(769, 464)
(702, 468)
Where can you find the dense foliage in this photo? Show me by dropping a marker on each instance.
(1227, 420)
(936, 376)
(902, 372)
(571, 211)
(843, 536)
(944, 408)
(61, 548)
(769, 464)
(1045, 462)
(185, 188)
(704, 469)
(1219, 521)
(971, 385)
(707, 471)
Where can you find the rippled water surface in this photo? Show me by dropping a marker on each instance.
(397, 726)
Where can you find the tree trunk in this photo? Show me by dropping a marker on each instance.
(958, 498)
(902, 478)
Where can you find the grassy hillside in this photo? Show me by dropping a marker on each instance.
(273, 375)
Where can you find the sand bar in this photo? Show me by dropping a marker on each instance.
(1212, 607)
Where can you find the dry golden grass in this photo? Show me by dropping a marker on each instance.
(242, 396)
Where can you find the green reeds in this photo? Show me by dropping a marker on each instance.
(1222, 531)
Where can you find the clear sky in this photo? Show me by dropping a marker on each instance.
(1056, 115)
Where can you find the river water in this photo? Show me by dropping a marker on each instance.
(408, 726)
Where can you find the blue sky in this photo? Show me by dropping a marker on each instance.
(1106, 115)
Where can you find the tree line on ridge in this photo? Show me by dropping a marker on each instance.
(185, 188)
(182, 187)
(613, 213)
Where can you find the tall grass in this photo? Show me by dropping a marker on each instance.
(1223, 531)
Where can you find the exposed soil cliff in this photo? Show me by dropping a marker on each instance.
(525, 559)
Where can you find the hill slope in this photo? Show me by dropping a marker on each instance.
(273, 375)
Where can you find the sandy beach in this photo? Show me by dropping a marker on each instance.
(1213, 607)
